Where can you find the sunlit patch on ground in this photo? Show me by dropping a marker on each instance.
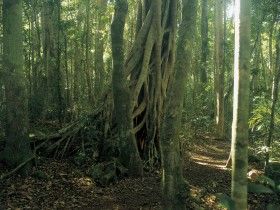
(84, 182)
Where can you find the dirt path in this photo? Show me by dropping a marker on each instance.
(208, 176)
(206, 172)
(65, 186)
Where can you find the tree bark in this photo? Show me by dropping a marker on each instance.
(204, 41)
(100, 48)
(274, 98)
(17, 145)
(129, 155)
(174, 187)
(52, 54)
(88, 42)
(219, 69)
(241, 104)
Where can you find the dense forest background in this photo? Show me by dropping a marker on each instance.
(131, 88)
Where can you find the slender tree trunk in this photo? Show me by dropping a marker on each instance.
(204, 41)
(129, 155)
(270, 45)
(36, 98)
(219, 69)
(274, 97)
(241, 104)
(17, 147)
(88, 42)
(76, 76)
(78, 84)
(67, 73)
(58, 72)
(174, 187)
(52, 53)
(100, 48)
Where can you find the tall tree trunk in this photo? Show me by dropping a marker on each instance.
(88, 41)
(100, 48)
(174, 187)
(270, 45)
(149, 67)
(36, 104)
(52, 52)
(17, 145)
(129, 155)
(204, 41)
(241, 104)
(219, 69)
(274, 97)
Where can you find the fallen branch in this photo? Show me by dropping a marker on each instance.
(4, 176)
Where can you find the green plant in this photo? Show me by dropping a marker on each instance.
(225, 201)
(263, 185)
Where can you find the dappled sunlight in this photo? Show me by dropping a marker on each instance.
(211, 153)
(139, 104)
(215, 155)
(84, 182)
(214, 164)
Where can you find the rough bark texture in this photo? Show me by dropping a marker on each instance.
(51, 55)
(17, 145)
(219, 68)
(174, 187)
(100, 39)
(204, 41)
(274, 98)
(129, 155)
(88, 42)
(149, 67)
(241, 104)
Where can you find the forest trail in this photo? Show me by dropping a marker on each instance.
(63, 185)
(206, 172)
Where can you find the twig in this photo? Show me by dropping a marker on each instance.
(4, 176)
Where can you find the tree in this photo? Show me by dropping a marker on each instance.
(241, 104)
(52, 56)
(100, 37)
(129, 155)
(219, 68)
(88, 41)
(149, 65)
(274, 97)
(204, 40)
(174, 187)
(17, 145)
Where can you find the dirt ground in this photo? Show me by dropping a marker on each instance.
(62, 185)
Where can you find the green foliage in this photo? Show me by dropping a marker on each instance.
(80, 158)
(259, 188)
(272, 206)
(107, 172)
(264, 185)
(266, 181)
(41, 175)
(259, 121)
(273, 171)
(260, 118)
(225, 201)
(275, 148)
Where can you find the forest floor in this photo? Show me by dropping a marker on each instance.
(64, 186)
